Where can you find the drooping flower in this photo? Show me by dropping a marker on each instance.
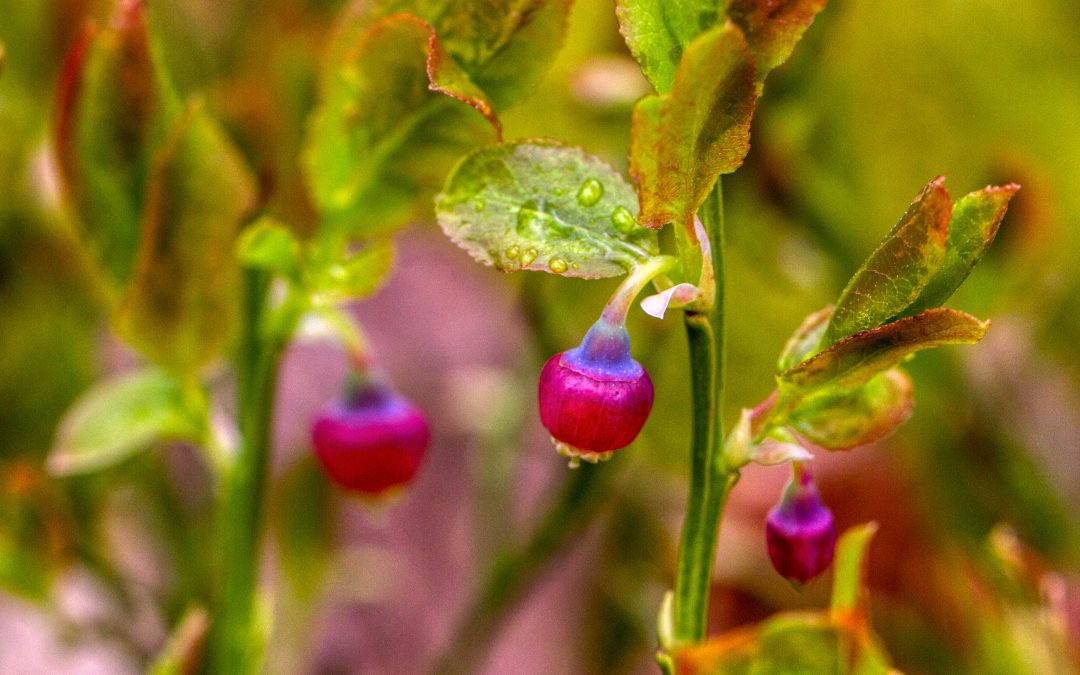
(800, 531)
(595, 398)
(371, 439)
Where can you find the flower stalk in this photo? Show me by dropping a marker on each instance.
(710, 478)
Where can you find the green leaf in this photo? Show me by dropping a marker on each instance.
(538, 205)
(684, 140)
(773, 28)
(503, 45)
(305, 525)
(974, 224)
(183, 650)
(840, 419)
(119, 417)
(796, 643)
(386, 132)
(114, 107)
(849, 570)
(858, 358)
(803, 343)
(658, 31)
(357, 275)
(268, 245)
(899, 268)
(181, 303)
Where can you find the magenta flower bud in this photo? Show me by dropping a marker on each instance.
(372, 439)
(800, 531)
(594, 399)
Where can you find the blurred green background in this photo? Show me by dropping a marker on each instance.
(975, 568)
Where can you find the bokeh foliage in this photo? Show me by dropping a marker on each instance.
(878, 98)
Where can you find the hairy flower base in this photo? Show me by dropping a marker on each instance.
(576, 455)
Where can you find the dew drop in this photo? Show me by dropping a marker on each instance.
(527, 215)
(513, 252)
(622, 219)
(557, 265)
(591, 191)
(528, 257)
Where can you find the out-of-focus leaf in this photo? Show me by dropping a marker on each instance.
(849, 571)
(35, 529)
(974, 224)
(896, 272)
(385, 134)
(683, 140)
(305, 525)
(181, 302)
(839, 642)
(844, 419)
(785, 644)
(268, 245)
(658, 31)
(773, 28)
(357, 275)
(183, 650)
(538, 205)
(805, 339)
(502, 45)
(114, 107)
(119, 417)
(856, 359)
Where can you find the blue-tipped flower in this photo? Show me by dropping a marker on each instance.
(800, 531)
(372, 439)
(594, 399)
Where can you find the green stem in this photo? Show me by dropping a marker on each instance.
(514, 572)
(710, 481)
(236, 646)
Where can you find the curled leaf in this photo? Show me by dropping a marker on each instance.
(856, 359)
(805, 339)
(841, 419)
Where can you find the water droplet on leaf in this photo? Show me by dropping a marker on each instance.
(622, 219)
(513, 252)
(591, 191)
(557, 265)
(528, 257)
